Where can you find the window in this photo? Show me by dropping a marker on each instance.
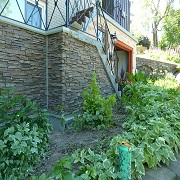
(31, 12)
(108, 6)
(33, 15)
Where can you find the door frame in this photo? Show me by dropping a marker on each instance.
(123, 46)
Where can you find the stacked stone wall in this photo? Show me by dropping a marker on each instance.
(70, 71)
(22, 61)
(70, 65)
(154, 65)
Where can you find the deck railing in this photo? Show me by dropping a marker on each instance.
(87, 16)
(48, 14)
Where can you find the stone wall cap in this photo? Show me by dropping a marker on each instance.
(166, 62)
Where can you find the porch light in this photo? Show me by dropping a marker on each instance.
(114, 38)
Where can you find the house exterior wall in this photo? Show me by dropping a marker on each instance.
(122, 35)
(56, 18)
(22, 61)
(59, 14)
(71, 64)
(126, 39)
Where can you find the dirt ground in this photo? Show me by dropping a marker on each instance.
(65, 143)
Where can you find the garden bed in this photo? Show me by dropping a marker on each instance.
(63, 144)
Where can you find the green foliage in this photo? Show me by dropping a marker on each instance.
(62, 169)
(96, 111)
(95, 166)
(153, 126)
(88, 165)
(62, 119)
(157, 54)
(171, 25)
(144, 41)
(137, 77)
(23, 135)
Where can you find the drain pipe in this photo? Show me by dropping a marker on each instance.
(47, 74)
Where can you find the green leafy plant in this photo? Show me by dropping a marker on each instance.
(62, 169)
(144, 41)
(62, 120)
(97, 111)
(95, 166)
(137, 77)
(153, 126)
(23, 135)
(88, 165)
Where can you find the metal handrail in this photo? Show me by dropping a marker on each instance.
(72, 7)
(108, 50)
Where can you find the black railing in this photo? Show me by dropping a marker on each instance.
(48, 14)
(119, 10)
(87, 16)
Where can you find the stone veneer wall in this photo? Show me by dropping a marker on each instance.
(155, 65)
(71, 63)
(22, 61)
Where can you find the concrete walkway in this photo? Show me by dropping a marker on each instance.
(171, 172)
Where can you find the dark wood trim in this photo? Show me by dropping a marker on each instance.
(120, 45)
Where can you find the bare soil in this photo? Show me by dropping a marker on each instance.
(65, 143)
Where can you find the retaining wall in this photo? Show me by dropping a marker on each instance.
(150, 65)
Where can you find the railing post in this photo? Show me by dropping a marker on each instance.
(97, 11)
(46, 28)
(67, 13)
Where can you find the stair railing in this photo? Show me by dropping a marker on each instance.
(109, 47)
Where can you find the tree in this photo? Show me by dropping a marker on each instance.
(171, 27)
(150, 15)
(144, 41)
(159, 10)
(4, 3)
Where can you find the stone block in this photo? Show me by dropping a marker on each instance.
(161, 173)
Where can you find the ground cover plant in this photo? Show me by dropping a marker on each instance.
(97, 111)
(152, 127)
(23, 135)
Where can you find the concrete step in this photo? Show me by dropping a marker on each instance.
(170, 172)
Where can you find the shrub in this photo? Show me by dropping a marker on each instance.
(153, 129)
(144, 41)
(88, 165)
(23, 135)
(168, 55)
(96, 111)
(153, 124)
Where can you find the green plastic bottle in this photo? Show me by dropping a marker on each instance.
(125, 160)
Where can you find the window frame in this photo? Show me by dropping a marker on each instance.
(42, 6)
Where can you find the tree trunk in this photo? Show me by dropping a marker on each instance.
(155, 35)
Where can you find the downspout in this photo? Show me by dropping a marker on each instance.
(47, 61)
(47, 74)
